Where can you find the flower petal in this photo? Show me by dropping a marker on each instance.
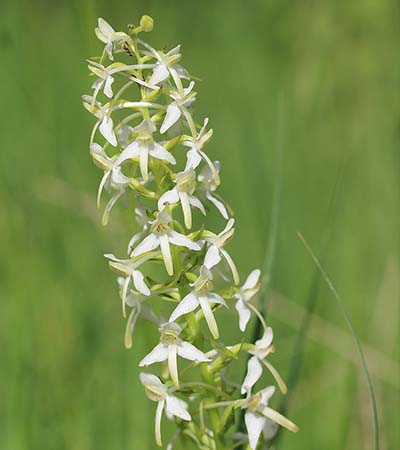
(157, 422)
(216, 299)
(281, 420)
(130, 151)
(177, 407)
(166, 254)
(244, 314)
(110, 204)
(231, 265)
(187, 212)
(270, 429)
(138, 281)
(186, 305)
(209, 316)
(266, 339)
(159, 152)
(104, 180)
(252, 279)
(194, 201)
(158, 354)
(106, 29)
(254, 424)
(170, 197)
(193, 158)
(107, 87)
(254, 372)
(144, 160)
(219, 205)
(172, 116)
(151, 242)
(266, 394)
(107, 130)
(152, 381)
(212, 257)
(173, 364)
(130, 326)
(228, 226)
(160, 73)
(190, 352)
(134, 239)
(182, 241)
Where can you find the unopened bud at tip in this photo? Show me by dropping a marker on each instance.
(147, 23)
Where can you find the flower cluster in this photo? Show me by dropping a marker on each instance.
(139, 143)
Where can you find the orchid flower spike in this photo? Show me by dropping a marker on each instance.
(169, 348)
(173, 406)
(152, 151)
(216, 251)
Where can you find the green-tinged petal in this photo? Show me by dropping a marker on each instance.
(166, 253)
(209, 316)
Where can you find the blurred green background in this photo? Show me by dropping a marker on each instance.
(325, 73)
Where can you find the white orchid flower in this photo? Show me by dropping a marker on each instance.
(135, 301)
(105, 123)
(196, 153)
(113, 178)
(182, 192)
(144, 147)
(173, 406)
(208, 186)
(167, 64)
(244, 296)
(262, 348)
(203, 297)
(257, 415)
(106, 33)
(129, 270)
(162, 236)
(216, 250)
(169, 348)
(178, 107)
(106, 76)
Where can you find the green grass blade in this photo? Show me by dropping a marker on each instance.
(354, 335)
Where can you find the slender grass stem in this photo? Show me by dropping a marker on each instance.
(355, 338)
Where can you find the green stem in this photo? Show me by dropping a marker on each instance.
(213, 414)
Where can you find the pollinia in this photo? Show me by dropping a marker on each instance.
(177, 276)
